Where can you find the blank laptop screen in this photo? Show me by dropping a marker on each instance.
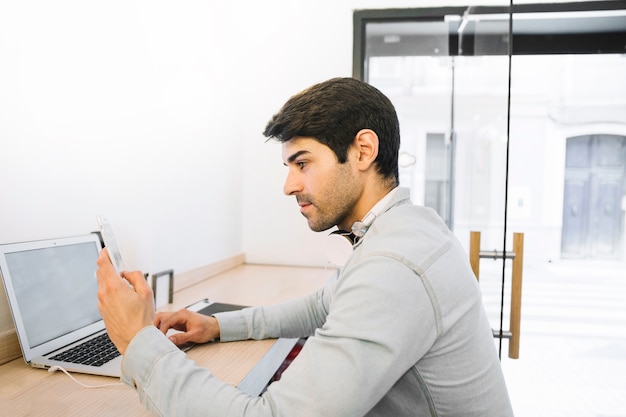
(56, 289)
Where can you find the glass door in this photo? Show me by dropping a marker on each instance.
(534, 143)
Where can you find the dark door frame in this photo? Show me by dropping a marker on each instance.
(534, 38)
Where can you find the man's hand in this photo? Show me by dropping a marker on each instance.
(195, 327)
(125, 309)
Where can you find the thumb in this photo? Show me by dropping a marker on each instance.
(136, 279)
(179, 338)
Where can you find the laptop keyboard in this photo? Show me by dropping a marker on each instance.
(94, 352)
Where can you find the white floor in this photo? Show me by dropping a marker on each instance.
(573, 341)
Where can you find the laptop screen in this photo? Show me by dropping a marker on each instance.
(55, 288)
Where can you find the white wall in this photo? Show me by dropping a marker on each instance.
(151, 112)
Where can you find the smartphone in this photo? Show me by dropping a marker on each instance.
(109, 242)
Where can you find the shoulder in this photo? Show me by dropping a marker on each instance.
(409, 229)
(411, 236)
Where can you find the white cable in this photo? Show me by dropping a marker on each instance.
(60, 368)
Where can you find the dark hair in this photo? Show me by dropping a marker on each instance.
(333, 112)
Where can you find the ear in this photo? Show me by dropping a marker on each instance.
(365, 148)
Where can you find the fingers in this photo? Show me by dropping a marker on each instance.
(164, 321)
(193, 327)
(177, 321)
(138, 281)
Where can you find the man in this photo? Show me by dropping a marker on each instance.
(400, 332)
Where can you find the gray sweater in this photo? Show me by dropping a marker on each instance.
(400, 332)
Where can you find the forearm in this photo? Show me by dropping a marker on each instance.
(296, 318)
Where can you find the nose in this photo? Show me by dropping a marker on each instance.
(292, 183)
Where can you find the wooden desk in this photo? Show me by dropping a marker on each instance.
(28, 391)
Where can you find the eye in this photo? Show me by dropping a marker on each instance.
(301, 164)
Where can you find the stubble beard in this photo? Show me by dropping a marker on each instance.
(336, 207)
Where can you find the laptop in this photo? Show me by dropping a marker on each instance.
(52, 289)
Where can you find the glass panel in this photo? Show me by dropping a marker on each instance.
(568, 164)
(566, 186)
(481, 86)
(480, 103)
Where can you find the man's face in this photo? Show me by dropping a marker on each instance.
(326, 190)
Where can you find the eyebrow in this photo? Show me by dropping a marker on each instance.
(296, 155)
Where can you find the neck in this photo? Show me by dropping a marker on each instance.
(368, 199)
